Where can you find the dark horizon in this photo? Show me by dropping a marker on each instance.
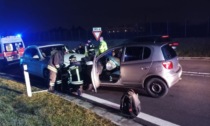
(41, 15)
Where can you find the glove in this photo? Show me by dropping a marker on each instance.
(57, 66)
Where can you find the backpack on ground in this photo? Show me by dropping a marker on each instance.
(130, 104)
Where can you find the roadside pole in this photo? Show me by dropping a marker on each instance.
(27, 80)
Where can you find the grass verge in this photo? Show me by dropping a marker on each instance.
(42, 109)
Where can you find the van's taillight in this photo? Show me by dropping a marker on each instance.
(4, 53)
(168, 65)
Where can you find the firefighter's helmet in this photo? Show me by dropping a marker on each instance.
(72, 58)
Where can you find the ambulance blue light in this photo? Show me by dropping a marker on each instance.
(19, 35)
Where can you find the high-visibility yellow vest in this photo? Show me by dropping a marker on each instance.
(102, 47)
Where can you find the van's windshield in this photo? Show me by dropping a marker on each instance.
(9, 47)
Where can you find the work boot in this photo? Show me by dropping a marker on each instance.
(79, 91)
(51, 89)
(90, 87)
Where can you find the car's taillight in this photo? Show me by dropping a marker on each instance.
(168, 65)
(174, 44)
(164, 36)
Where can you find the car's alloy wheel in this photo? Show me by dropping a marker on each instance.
(156, 87)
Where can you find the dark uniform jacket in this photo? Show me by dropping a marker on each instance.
(90, 50)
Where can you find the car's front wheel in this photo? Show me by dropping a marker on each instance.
(156, 87)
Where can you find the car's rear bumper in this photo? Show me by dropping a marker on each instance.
(174, 78)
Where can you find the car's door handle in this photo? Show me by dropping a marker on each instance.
(144, 68)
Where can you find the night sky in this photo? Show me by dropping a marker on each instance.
(41, 15)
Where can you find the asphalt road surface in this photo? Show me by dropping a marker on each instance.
(187, 102)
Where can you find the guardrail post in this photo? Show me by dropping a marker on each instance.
(27, 80)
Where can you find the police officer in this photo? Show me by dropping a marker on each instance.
(56, 60)
(102, 46)
(90, 49)
(80, 49)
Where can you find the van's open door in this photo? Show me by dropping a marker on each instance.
(95, 75)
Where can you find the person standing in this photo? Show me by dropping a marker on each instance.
(90, 49)
(80, 49)
(102, 46)
(56, 60)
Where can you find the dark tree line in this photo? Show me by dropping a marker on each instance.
(122, 32)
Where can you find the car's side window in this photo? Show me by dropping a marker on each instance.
(133, 53)
(30, 53)
(147, 53)
(34, 53)
(136, 53)
(27, 53)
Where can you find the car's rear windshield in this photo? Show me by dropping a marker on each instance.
(168, 52)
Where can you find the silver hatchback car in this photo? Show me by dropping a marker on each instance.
(37, 58)
(155, 67)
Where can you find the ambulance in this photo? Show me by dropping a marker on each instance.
(11, 49)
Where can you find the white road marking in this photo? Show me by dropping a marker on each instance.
(190, 72)
(142, 115)
(155, 120)
(196, 73)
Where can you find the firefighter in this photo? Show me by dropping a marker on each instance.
(74, 76)
(102, 46)
(54, 64)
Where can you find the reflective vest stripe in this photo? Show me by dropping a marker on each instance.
(52, 68)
